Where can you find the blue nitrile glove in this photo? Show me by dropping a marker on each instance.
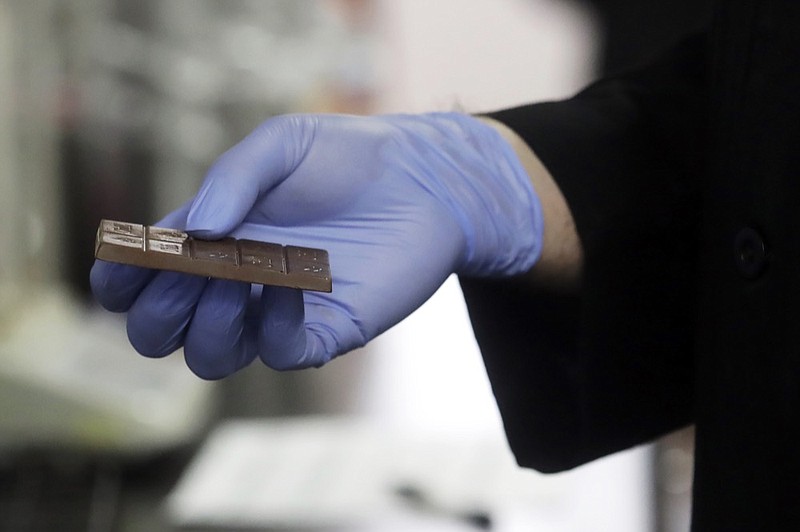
(399, 201)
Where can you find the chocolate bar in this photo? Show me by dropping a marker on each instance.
(229, 258)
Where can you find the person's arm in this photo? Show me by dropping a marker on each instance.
(584, 373)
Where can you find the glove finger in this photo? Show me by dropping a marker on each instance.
(116, 286)
(281, 335)
(242, 174)
(158, 319)
(216, 343)
(296, 334)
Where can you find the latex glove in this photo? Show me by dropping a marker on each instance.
(399, 201)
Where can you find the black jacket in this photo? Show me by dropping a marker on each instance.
(684, 181)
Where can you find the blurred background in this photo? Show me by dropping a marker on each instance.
(114, 109)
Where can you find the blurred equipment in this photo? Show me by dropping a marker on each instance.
(69, 377)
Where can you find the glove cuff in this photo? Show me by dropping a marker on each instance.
(492, 198)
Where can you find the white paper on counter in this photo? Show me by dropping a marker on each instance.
(328, 473)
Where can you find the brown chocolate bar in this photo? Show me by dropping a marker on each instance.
(229, 258)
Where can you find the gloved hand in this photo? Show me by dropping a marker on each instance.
(399, 201)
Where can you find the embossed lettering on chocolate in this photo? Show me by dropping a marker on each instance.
(236, 259)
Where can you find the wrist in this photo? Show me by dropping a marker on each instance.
(561, 260)
(489, 194)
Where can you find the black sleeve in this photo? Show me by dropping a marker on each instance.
(580, 376)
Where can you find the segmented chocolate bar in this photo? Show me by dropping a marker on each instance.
(229, 258)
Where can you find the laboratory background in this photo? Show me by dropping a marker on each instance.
(115, 109)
